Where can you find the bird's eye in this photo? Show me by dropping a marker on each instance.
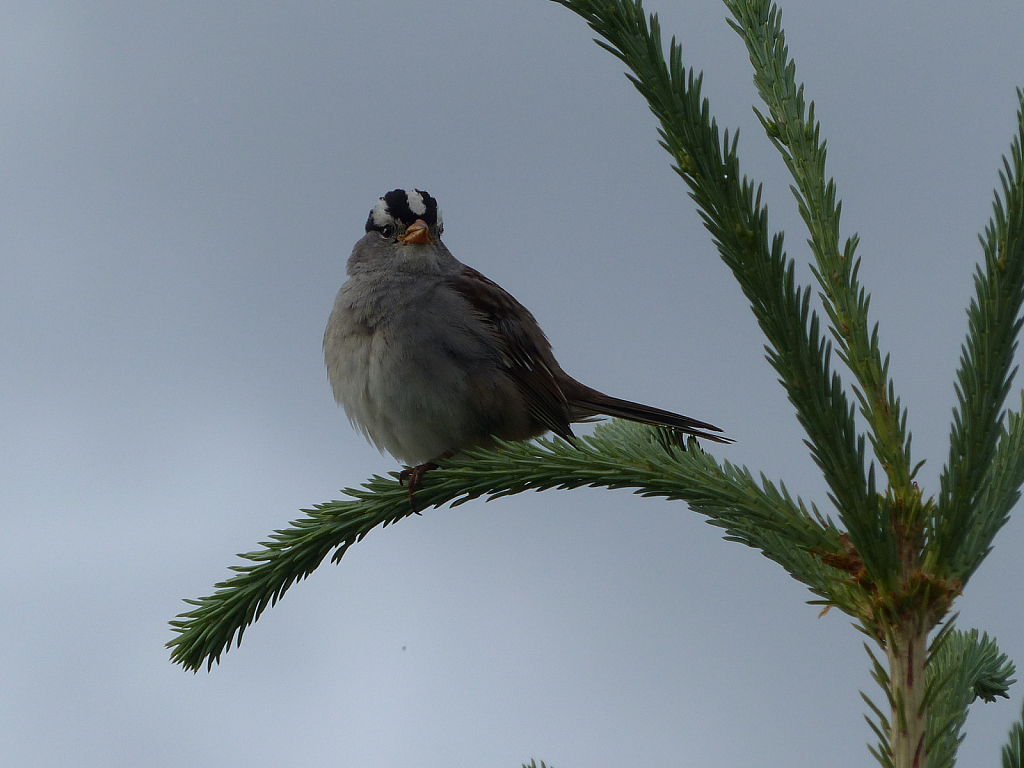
(387, 231)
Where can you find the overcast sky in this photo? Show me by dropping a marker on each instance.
(182, 184)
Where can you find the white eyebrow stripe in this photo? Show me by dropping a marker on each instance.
(416, 202)
(380, 214)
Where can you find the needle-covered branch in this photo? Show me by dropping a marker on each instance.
(984, 377)
(1013, 750)
(963, 669)
(731, 209)
(618, 455)
(792, 128)
(1000, 491)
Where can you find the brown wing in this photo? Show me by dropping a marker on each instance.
(526, 353)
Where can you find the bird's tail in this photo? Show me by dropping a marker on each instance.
(590, 402)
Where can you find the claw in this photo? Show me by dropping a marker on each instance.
(414, 476)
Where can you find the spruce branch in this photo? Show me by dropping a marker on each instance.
(1000, 491)
(793, 129)
(290, 555)
(1013, 750)
(895, 539)
(731, 209)
(984, 377)
(962, 670)
(617, 455)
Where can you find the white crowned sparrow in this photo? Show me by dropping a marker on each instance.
(429, 357)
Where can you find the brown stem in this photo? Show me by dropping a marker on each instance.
(907, 650)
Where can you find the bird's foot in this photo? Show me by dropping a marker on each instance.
(414, 476)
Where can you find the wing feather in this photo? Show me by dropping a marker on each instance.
(526, 352)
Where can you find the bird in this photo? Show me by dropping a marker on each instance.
(429, 358)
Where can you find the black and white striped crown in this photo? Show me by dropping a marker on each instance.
(399, 208)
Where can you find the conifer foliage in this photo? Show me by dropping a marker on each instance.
(895, 558)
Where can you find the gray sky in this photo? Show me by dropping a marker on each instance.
(182, 185)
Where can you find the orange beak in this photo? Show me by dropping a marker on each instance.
(417, 232)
